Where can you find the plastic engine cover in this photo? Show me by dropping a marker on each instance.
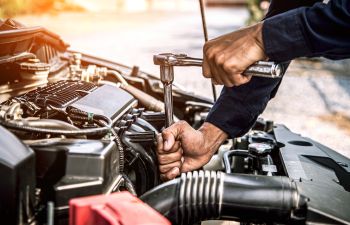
(116, 209)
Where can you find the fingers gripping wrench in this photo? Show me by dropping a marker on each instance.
(167, 61)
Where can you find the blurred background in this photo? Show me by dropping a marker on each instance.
(314, 98)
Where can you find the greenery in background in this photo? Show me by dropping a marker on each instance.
(256, 13)
(11, 8)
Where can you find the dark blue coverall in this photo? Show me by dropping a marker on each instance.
(292, 28)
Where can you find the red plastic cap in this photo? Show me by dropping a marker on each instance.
(116, 209)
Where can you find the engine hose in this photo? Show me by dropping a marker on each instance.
(49, 124)
(78, 117)
(203, 195)
(21, 127)
(228, 154)
(128, 184)
(121, 154)
(145, 99)
(85, 119)
(81, 115)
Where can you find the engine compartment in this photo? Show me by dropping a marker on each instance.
(74, 125)
(84, 143)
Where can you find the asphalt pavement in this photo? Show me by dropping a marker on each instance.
(313, 99)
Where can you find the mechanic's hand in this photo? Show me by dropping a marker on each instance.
(182, 148)
(226, 57)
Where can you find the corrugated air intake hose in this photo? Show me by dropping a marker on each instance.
(203, 195)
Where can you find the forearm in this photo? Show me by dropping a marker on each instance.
(213, 137)
(238, 108)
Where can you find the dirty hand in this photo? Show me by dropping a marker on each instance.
(182, 148)
(226, 57)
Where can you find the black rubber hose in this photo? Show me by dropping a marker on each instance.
(204, 195)
(228, 154)
(49, 124)
(22, 127)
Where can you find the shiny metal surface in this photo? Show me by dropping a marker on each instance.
(258, 69)
(168, 101)
(167, 61)
(167, 78)
(167, 73)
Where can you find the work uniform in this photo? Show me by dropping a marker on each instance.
(292, 28)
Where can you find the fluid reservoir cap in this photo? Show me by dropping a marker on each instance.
(260, 148)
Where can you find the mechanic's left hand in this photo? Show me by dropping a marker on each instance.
(181, 148)
(226, 57)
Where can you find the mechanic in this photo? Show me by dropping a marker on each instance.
(292, 28)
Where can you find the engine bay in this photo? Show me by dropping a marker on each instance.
(73, 125)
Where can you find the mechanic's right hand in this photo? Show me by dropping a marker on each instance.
(225, 58)
(182, 148)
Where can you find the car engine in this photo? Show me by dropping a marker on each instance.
(73, 125)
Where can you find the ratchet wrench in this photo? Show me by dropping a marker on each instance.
(259, 69)
(167, 61)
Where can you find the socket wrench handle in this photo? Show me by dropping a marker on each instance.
(258, 69)
(265, 69)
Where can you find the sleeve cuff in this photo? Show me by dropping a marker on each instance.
(283, 36)
(230, 114)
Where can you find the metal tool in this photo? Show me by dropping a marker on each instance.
(167, 78)
(205, 34)
(167, 61)
(258, 69)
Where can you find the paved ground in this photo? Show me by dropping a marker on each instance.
(312, 99)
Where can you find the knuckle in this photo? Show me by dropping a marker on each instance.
(159, 138)
(178, 154)
(161, 158)
(220, 59)
(163, 169)
(164, 177)
(182, 123)
(165, 132)
(170, 176)
(210, 54)
(207, 45)
(176, 149)
(178, 164)
(206, 75)
(228, 68)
